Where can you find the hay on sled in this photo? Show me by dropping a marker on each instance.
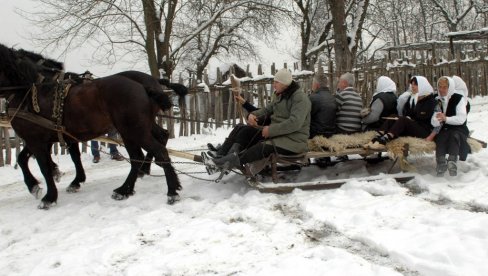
(394, 148)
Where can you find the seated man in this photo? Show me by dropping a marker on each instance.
(451, 116)
(323, 114)
(287, 133)
(417, 113)
(383, 104)
(349, 105)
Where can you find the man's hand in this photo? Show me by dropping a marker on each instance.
(265, 132)
(252, 120)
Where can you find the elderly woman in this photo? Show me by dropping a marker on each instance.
(416, 117)
(383, 104)
(451, 118)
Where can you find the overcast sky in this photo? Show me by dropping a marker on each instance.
(17, 32)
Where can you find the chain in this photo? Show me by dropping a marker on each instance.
(189, 174)
(192, 120)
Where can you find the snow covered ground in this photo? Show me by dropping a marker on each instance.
(429, 226)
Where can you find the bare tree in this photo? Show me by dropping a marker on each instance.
(315, 23)
(453, 12)
(153, 30)
(230, 35)
(347, 31)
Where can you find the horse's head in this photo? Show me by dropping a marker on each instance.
(22, 68)
(9, 68)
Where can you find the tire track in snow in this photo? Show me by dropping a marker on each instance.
(415, 190)
(326, 234)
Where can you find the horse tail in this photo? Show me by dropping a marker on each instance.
(158, 97)
(179, 89)
(153, 88)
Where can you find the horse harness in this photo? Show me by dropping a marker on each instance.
(61, 90)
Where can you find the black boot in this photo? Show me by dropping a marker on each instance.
(379, 142)
(211, 147)
(228, 162)
(441, 165)
(451, 165)
(220, 150)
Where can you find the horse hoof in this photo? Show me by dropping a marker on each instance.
(72, 189)
(173, 199)
(118, 196)
(36, 191)
(45, 205)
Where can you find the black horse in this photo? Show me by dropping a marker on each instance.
(90, 110)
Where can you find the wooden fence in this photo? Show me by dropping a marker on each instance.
(213, 106)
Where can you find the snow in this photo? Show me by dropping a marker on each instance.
(429, 226)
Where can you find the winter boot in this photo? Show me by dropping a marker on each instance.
(441, 165)
(451, 165)
(228, 162)
(209, 164)
(211, 147)
(379, 142)
(236, 147)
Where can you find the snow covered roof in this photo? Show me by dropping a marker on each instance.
(428, 45)
(474, 34)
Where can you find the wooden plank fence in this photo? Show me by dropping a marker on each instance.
(209, 106)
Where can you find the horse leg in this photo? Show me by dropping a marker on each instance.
(146, 166)
(45, 164)
(162, 159)
(56, 172)
(30, 181)
(127, 189)
(162, 136)
(80, 177)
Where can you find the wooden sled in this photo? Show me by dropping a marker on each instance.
(283, 188)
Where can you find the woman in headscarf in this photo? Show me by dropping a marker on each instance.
(416, 117)
(382, 105)
(450, 121)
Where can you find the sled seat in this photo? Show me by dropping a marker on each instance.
(294, 162)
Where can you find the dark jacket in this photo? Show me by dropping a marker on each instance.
(423, 111)
(323, 114)
(464, 148)
(389, 100)
(290, 119)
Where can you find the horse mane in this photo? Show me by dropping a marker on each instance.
(45, 63)
(21, 66)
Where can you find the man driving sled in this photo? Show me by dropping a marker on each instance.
(287, 134)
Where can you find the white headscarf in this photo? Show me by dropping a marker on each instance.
(385, 84)
(424, 86)
(460, 86)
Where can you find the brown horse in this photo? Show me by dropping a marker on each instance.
(90, 110)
